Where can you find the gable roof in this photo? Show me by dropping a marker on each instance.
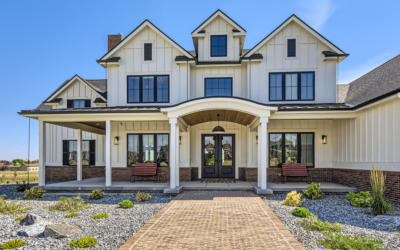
(213, 16)
(302, 24)
(145, 23)
(379, 83)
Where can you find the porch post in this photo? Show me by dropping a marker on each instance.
(79, 155)
(173, 154)
(264, 152)
(108, 153)
(177, 159)
(42, 153)
(259, 156)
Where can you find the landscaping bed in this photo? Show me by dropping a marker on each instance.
(332, 208)
(111, 232)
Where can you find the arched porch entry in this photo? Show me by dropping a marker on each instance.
(254, 116)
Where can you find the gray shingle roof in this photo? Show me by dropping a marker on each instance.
(382, 81)
(342, 90)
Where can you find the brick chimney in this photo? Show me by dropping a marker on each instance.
(113, 40)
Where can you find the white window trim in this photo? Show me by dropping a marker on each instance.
(286, 47)
(218, 76)
(152, 51)
(215, 58)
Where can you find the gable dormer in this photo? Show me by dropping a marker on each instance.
(218, 38)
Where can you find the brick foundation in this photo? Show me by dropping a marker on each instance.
(69, 173)
(185, 174)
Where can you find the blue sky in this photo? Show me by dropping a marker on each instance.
(46, 42)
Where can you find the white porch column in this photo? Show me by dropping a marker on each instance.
(173, 161)
(259, 156)
(108, 153)
(79, 155)
(264, 152)
(42, 153)
(177, 159)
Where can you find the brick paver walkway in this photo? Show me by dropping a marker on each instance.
(193, 221)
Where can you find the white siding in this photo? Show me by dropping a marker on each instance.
(76, 90)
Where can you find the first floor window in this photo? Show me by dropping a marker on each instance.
(148, 148)
(70, 149)
(218, 87)
(291, 86)
(148, 89)
(291, 148)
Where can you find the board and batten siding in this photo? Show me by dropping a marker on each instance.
(132, 63)
(371, 138)
(76, 91)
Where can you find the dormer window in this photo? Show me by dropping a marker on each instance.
(291, 48)
(218, 46)
(78, 104)
(148, 55)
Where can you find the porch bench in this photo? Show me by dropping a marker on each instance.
(144, 169)
(295, 170)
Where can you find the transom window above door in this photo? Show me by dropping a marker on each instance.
(218, 46)
(218, 87)
(145, 89)
(292, 86)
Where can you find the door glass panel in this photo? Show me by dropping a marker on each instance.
(307, 149)
(148, 148)
(226, 150)
(209, 151)
(162, 150)
(291, 148)
(275, 150)
(85, 153)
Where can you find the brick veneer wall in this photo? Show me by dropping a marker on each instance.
(318, 174)
(185, 174)
(68, 173)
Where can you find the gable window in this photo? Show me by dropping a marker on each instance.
(291, 148)
(147, 89)
(218, 87)
(70, 148)
(218, 45)
(148, 148)
(78, 104)
(148, 52)
(293, 86)
(291, 48)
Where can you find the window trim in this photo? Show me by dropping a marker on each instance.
(141, 147)
(82, 159)
(284, 86)
(226, 46)
(205, 78)
(283, 147)
(141, 88)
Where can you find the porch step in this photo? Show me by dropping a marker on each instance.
(218, 179)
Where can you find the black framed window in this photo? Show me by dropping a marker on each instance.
(70, 148)
(218, 87)
(292, 86)
(148, 51)
(148, 89)
(291, 48)
(291, 148)
(78, 104)
(148, 148)
(219, 45)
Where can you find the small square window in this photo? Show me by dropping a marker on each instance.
(148, 53)
(218, 46)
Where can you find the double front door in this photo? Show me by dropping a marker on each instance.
(218, 156)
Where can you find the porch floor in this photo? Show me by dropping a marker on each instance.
(94, 183)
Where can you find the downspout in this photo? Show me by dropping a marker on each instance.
(187, 79)
(250, 78)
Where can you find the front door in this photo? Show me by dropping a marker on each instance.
(218, 156)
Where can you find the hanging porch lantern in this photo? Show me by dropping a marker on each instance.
(218, 129)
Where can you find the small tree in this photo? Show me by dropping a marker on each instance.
(15, 174)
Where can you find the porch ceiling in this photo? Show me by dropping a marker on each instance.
(225, 115)
(100, 125)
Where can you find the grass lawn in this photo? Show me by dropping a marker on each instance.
(22, 176)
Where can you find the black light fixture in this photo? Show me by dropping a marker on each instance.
(256, 139)
(116, 140)
(324, 139)
(218, 128)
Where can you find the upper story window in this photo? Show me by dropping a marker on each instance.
(218, 87)
(291, 48)
(291, 86)
(148, 52)
(218, 45)
(148, 89)
(78, 103)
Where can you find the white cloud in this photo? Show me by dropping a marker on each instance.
(351, 74)
(316, 12)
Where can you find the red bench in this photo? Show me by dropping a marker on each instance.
(295, 170)
(144, 169)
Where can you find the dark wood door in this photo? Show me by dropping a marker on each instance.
(218, 156)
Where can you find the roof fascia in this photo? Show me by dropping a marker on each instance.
(145, 23)
(303, 25)
(225, 17)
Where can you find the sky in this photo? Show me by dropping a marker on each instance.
(46, 42)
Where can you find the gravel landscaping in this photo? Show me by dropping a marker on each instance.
(332, 208)
(110, 232)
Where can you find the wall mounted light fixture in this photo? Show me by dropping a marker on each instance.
(116, 140)
(256, 139)
(324, 139)
(180, 140)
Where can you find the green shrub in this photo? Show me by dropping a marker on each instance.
(301, 212)
(340, 241)
(379, 205)
(70, 204)
(293, 199)
(313, 192)
(23, 187)
(71, 215)
(140, 197)
(12, 206)
(362, 199)
(96, 194)
(126, 204)
(12, 244)
(100, 216)
(34, 193)
(313, 223)
(20, 218)
(83, 242)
